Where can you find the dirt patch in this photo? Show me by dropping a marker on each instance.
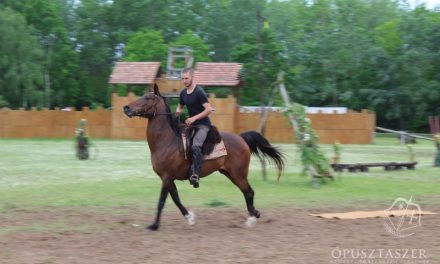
(282, 235)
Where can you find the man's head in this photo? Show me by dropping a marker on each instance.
(187, 76)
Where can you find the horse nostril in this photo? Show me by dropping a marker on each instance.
(127, 110)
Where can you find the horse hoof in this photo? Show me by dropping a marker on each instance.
(251, 221)
(257, 214)
(190, 218)
(153, 227)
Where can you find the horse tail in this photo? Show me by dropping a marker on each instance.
(261, 147)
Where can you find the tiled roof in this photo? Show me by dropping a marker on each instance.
(135, 72)
(217, 73)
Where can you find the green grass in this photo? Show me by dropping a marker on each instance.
(45, 173)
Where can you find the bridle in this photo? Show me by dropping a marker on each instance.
(156, 101)
(151, 116)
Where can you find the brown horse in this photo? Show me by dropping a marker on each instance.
(170, 164)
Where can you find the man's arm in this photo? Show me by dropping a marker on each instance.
(205, 113)
(179, 109)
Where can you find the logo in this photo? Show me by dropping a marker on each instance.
(378, 256)
(403, 217)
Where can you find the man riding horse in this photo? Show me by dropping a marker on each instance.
(194, 98)
(170, 164)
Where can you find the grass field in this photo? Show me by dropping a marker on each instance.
(45, 173)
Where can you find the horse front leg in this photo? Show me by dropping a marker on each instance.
(163, 196)
(190, 217)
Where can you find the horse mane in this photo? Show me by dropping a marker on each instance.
(172, 121)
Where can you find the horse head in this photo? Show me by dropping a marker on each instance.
(146, 106)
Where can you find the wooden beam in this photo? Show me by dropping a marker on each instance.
(403, 133)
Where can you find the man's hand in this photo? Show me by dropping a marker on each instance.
(190, 120)
(179, 109)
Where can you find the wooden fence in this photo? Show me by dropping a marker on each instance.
(350, 128)
(52, 123)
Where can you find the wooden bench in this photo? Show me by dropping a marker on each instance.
(363, 167)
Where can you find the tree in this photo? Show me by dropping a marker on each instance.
(334, 52)
(60, 61)
(200, 48)
(225, 23)
(405, 88)
(53, 23)
(274, 61)
(95, 50)
(146, 45)
(20, 56)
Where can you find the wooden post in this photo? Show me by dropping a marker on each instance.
(265, 115)
(287, 103)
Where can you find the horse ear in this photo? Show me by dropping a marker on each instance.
(156, 89)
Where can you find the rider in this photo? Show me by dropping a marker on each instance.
(82, 140)
(195, 99)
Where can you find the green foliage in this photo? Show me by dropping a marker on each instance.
(3, 102)
(93, 45)
(336, 153)
(146, 45)
(60, 61)
(404, 84)
(307, 141)
(388, 36)
(20, 56)
(338, 60)
(377, 55)
(273, 62)
(226, 23)
(199, 47)
(43, 16)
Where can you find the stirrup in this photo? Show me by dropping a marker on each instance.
(194, 180)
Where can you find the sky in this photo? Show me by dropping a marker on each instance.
(429, 3)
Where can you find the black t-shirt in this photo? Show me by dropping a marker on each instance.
(194, 102)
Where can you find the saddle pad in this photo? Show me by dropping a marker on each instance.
(219, 150)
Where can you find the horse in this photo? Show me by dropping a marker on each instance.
(168, 161)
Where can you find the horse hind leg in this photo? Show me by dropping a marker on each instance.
(190, 216)
(253, 213)
(242, 183)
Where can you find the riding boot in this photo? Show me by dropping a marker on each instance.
(197, 161)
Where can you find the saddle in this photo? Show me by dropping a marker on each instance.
(212, 148)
